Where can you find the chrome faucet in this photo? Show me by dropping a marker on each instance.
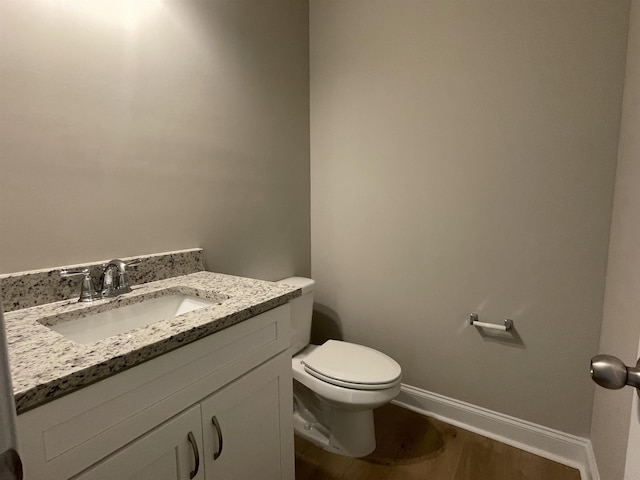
(88, 291)
(114, 280)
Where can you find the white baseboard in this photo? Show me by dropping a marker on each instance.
(561, 447)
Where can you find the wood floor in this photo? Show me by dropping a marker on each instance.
(413, 447)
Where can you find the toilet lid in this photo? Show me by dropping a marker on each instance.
(353, 366)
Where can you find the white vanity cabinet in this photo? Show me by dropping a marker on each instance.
(137, 424)
(235, 434)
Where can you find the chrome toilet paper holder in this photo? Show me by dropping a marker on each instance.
(508, 323)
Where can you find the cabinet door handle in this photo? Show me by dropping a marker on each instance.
(196, 454)
(216, 425)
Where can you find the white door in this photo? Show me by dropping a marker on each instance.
(10, 463)
(629, 166)
(171, 451)
(247, 426)
(621, 319)
(632, 469)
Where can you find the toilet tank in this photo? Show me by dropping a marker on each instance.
(301, 312)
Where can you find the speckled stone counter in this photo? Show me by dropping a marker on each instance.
(45, 365)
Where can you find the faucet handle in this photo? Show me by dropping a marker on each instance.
(124, 280)
(87, 290)
(74, 272)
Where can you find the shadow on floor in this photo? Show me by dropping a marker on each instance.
(414, 447)
(402, 437)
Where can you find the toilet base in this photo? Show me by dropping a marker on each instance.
(349, 433)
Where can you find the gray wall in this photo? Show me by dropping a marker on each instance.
(620, 323)
(462, 159)
(139, 127)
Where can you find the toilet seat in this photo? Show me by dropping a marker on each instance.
(352, 366)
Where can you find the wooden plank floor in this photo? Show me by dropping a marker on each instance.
(413, 447)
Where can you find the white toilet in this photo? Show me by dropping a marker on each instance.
(336, 385)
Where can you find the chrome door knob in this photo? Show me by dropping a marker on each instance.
(610, 372)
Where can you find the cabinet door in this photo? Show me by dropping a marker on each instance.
(248, 427)
(172, 451)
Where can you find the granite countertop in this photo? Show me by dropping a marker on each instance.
(45, 365)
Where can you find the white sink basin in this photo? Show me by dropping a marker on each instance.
(123, 319)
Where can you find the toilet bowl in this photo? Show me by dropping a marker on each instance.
(336, 385)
